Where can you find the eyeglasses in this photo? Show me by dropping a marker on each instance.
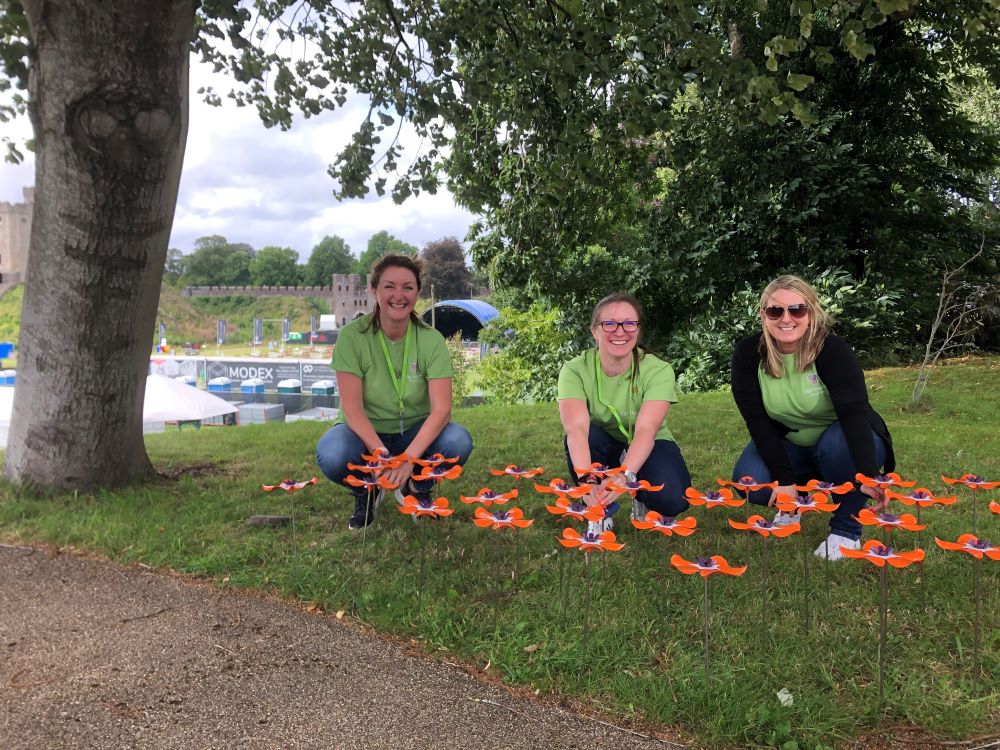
(629, 326)
(776, 312)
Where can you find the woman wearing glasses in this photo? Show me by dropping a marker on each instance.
(802, 395)
(613, 403)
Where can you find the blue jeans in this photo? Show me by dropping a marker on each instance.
(665, 466)
(339, 446)
(829, 460)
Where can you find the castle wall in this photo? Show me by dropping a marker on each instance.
(15, 234)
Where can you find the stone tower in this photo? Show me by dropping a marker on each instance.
(350, 298)
(15, 231)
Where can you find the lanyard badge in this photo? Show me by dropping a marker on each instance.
(399, 380)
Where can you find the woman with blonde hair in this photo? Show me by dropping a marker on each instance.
(802, 394)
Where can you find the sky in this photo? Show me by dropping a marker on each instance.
(268, 187)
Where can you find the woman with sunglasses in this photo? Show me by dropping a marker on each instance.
(613, 403)
(802, 395)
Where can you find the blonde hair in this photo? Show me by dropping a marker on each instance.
(810, 344)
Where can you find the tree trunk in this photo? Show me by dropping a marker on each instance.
(109, 90)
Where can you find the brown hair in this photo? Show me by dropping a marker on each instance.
(375, 275)
(811, 343)
(595, 320)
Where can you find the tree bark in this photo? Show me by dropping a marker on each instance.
(108, 100)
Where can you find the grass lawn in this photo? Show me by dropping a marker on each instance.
(644, 660)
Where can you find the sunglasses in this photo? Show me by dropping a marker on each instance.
(610, 326)
(776, 312)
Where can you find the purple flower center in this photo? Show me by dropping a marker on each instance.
(713, 495)
(883, 479)
(882, 551)
(488, 495)
(425, 502)
(632, 485)
(764, 524)
(704, 562)
(920, 495)
(980, 544)
(747, 480)
(975, 479)
(668, 521)
(577, 507)
(888, 518)
(805, 500)
(590, 537)
(515, 469)
(501, 515)
(826, 485)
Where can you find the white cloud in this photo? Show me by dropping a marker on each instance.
(267, 187)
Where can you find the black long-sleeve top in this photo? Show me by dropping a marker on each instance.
(838, 368)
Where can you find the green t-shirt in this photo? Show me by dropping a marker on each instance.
(359, 352)
(654, 382)
(798, 400)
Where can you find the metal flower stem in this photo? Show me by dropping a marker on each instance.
(517, 556)
(364, 543)
(884, 589)
(923, 570)
(586, 603)
(763, 585)
(705, 634)
(423, 543)
(805, 582)
(975, 631)
(974, 504)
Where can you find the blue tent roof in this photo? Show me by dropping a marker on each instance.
(465, 315)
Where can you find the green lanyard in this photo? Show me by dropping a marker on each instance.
(398, 381)
(599, 374)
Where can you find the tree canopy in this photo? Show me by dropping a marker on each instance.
(275, 266)
(379, 244)
(446, 271)
(329, 256)
(217, 262)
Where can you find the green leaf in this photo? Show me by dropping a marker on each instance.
(892, 6)
(799, 81)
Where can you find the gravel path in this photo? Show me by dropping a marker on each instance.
(93, 656)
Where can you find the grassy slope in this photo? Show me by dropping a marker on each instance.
(645, 658)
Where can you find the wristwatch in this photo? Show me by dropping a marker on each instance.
(630, 476)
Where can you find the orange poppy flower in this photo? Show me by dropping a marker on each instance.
(921, 497)
(884, 481)
(878, 554)
(713, 498)
(499, 519)
(437, 473)
(381, 457)
(815, 484)
(666, 525)
(907, 521)
(805, 503)
(425, 508)
(599, 470)
(764, 527)
(746, 484)
(563, 489)
(972, 481)
(972, 545)
(995, 507)
(288, 485)
(577, 511)
(488, 497)
(369, 483)
(706, 566)
(435, 460)
(513, 470)
(640, 485)
(603, 542)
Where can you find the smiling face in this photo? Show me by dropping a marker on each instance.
(618, 343)
(396, 293)
(786, 331)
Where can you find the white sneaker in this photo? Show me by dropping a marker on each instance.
(599, 527)
(784, 519)
(399, 497)
(639, 510)
(830, 549)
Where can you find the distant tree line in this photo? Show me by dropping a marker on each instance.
(215, 261)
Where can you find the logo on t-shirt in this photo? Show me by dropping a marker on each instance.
(413, 377)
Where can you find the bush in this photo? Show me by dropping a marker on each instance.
(528, 350)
